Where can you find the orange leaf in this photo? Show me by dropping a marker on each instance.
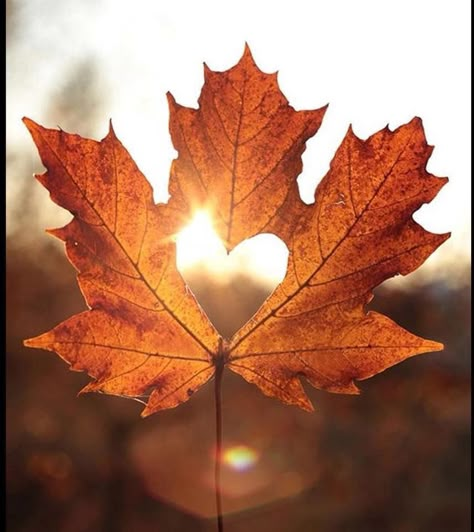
(242, 141)
(239, 155)
(145, 336)
(358, 233)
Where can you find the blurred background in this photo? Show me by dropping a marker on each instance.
(397, 457)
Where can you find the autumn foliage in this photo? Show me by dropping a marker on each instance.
(239, 154)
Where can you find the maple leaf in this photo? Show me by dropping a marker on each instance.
(144, 330)
(359, 232)
(240, 152)
(146, 337)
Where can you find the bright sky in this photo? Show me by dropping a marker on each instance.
(375, 62)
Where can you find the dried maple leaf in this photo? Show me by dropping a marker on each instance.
(145, 331)
(239, 156)
(240, 152)
(358, 233)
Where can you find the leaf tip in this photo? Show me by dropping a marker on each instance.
(446, 236)
(171, 99)
(146, 412)
(56, 232)
(433, 346)
(31, 125)
(92, 386)
(416, 123)
(207, 73)
(307, 407)
(350, 132)
(111, 132)
(303, 401)
(247, 55)
(37, 341)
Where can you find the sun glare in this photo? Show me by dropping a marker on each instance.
(198, 242)
(197, 245)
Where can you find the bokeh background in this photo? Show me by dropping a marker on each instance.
(397, 457)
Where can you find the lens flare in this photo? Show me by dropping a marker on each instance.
(240, 457)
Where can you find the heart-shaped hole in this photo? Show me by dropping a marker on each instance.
(229, 287)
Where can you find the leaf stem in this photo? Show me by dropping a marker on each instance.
(217, 470)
